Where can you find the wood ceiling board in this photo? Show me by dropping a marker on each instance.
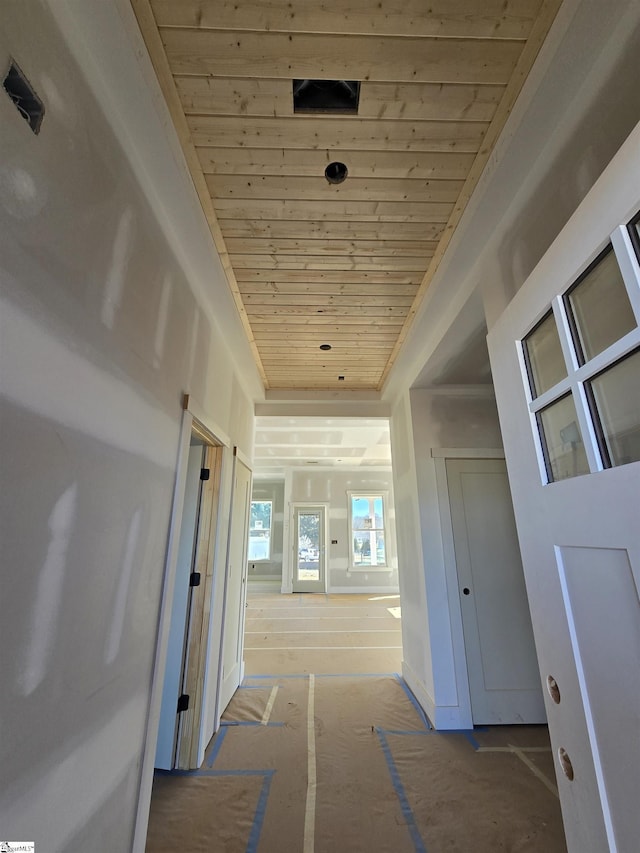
(244, 96)
(343, 134)
(332, 230)
(330, 324)
(305, 384)
(542, 24)
(375, 312)
(364, 164)
(301, 56)
(325, 334)
(334, 211)
(280, 300)
(297, 288)
(315, 262)
(319, 189)
(330, 276)
(349, 248)
(367, 340)
(364, 350)
(500, 18)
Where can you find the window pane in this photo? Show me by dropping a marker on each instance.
(367, 525)
(368, 548)
(616, 393)
(544, 358)
(561, 440)
(600, 307)
(260, 531)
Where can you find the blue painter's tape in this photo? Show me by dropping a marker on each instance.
(258, 818)
(414, 701)
(418, 843)
(469, 736)
(216, 747)
(228, 723)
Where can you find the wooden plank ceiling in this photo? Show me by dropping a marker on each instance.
(312, 263)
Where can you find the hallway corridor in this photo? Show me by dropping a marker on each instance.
(324, 749)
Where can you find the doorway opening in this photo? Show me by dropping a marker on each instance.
(182, 709)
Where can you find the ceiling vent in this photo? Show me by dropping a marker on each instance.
(340, 97)
(24, 98)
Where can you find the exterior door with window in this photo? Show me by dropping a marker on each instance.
(565, 357)
(309, 559)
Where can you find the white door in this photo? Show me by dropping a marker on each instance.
(235, 592)
(504, 680)
(565, 357)
(309, 571)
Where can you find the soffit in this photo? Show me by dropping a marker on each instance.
(311, 263)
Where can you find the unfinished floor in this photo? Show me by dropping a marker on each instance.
(323, 748)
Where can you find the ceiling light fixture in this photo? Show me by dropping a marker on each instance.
(325, 347)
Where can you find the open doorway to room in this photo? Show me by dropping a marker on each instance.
(321, 596)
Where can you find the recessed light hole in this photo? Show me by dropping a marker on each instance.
(336, 173)
(325, 347)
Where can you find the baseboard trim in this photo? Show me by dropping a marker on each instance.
(442, 717)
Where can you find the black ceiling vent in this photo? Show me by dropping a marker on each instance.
(23, 96)
(326, 96)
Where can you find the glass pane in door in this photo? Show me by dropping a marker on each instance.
(308, 563)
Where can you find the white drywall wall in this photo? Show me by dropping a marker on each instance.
(103, 329)
(329, 486)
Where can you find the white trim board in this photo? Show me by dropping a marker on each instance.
(467, 453)
(442, 717)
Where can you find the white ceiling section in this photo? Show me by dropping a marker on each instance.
(283, 442)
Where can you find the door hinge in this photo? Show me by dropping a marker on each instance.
(194, 579)
(205, 473)
(183, 703)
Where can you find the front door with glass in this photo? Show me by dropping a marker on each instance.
(309, 574)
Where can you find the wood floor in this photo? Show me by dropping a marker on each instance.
(324, 750)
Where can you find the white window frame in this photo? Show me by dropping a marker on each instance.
(371, 493)
(578, 375)
(266, 559)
